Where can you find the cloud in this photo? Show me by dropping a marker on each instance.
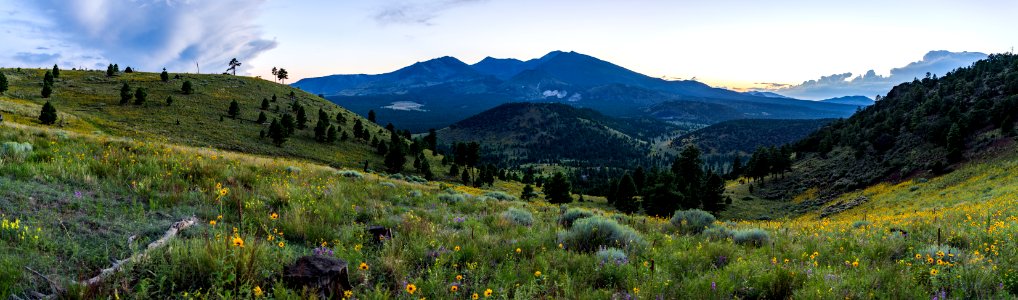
(871, 83)
(145, 34)
(419, 13)
(37, 58)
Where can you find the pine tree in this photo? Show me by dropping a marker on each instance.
(262, 117)
(116, 68)
(265, 103)
(454, 170)
(48, 78)
(187, 88)
(736, 168)
(125, 94)
(47, 90)
(371, 116)
(465, 177)
(234, 109)
(344, 136)
(277, 133)
(426, 170)
(56, 71)
(381, 148)
(431, 140)
(140, 95)
(169, 100)
(273, 97)
(640, 179)
(713, 193)
(528, 193)
(625, 195)
(322, 130)
(396, 158)
(302, 117)
(48, 115)
(164, 76)
(358, 127)
(109, 71)
(955, 143)
(340, 119)
(3, 83)
(330, 136)
(288, 124)
(128, 70)
(1006, 126)
(558, 190)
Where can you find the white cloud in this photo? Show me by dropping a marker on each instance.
(872, 84)
(145, 34)
(421, 12)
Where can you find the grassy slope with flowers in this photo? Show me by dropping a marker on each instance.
(75, 215)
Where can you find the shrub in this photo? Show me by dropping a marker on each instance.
(15, 151)
(592, 233)
(350, 174)
(572, 215)
(943, 252)
(519, 216)
(692, 221)
(293, 169)
(500, 196)
(612, 255)
(717, 233)
(753, 237)
(861, 224)
(388, 184)
(451, 198)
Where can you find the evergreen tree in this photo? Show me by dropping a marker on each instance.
(371, 116)
(234, 109)
(273, 97)
(109, 71)
(625, 195)
(56, 72)
(426, 170)
(558, 190)
(262, 117)
(661, 199)
(396, 158)
(187, 88)
(381, 148)
(340, 119)
(282, 75)
(431, 140)
(164, 76)
(322, 130)
(955, 143)
(713, 193)
(140, 95)
(48, 115)
(454, 170)
(330, 136)
(125, 94)
(116, 68)
(358, 127)
(277, 132)
(465, 177)
(128, 70)
(48, 78)
(344, 136)
(265, 103)
(640, 179)
(688, 171)
(169, 100)
(302, 117)
(3, 83)
(528, 193)
(1006, 126)
(47, 90)
(736, 168)
(288, 124)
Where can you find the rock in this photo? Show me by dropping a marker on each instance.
(379, 233)
(329, 276)
(843, 206)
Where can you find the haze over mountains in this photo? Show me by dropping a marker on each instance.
(411, 96)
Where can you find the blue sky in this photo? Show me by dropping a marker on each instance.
(732, 43)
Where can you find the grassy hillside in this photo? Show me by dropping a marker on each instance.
(88, 101)
(82, 200)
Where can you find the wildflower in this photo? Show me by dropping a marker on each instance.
(934, 272)
(918, 256)
(537, 273)
(411, 288)
(855, 264)
(258, 291)
(518, 250)
(636, 291)
(357, 247)
(457, 248)
(219, 217)
(274, 216)
(929, 260)
(270, 238)
(774, 260)
(454, 288)
(212, 222)
(713, 286)
(281, 244)
(459, 277)
(363, 266)
(474, 296)
(347, 294)
(238, 242)
(487, 293)
(560, 246)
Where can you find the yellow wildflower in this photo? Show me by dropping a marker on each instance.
(238, 242)
(411, 288)
(363, 266)
(258, 291)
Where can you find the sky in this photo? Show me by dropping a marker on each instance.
(778, 45)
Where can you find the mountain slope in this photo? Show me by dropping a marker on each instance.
(742, 137)
(518, 133)
(851, 100)
(926, 126)
(88, 101)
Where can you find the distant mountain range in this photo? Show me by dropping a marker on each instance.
(441, 91)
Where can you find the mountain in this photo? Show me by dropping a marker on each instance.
(765, 94)
(851, 100)
(921, 128)
(446, 90)
(520, 133)
(741, 137)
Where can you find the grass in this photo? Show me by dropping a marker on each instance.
(81, 199)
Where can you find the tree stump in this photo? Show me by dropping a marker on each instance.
(329, 276)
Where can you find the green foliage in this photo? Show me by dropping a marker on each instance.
(164, 76)
(15, 151)
(751, 237)
(302, 117)
(47, 90)
(612, 255)
(187, 87)
(56, 72)
(527, 193)
(570, 216)
(501, 196)
(625, 194)
(371, 116)
(593, 233)
(717, 233)
(140, 95)
(396, 156)
(234, 109)
(451, 198)
(278, 133)
(692, 221)
(558, 190)
(4, 85)
(518, 216)
(262, 117)
(48, 115)
(125, 94)
(169, 100)
(48, 78)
